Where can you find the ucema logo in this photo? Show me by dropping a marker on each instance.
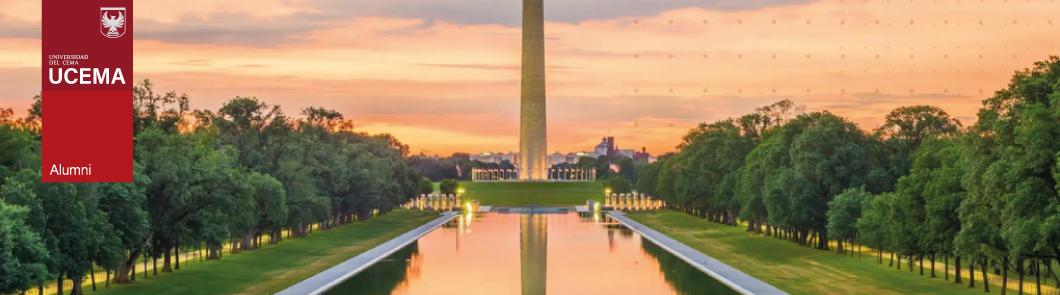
(112, 21)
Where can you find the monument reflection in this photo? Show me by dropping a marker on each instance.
(533, 253)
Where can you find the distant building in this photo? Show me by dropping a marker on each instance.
(488, 157)
(643, 156)
(557, 158)
(581, 154)
(606, 147)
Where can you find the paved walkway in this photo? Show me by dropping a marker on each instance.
(327, 279)
(734, 278)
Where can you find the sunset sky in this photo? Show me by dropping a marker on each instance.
(443, 75)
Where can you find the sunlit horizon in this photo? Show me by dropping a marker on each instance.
(448, 81)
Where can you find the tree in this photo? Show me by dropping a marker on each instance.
(598, 164)
(784, 197)
(1012, 181)
(914, 124)
(164, 111)
(188, 177)
(648, 178)
(618, 184)
(78, 235)
(906, 127)
(764, 160)
(456, 166)
(22, 254)
(713, 155)
(938, 163)
(426, 186)
(750, 180)
(664, 188)
(626, 168)
(24, 257)
(21, 150)
(797, 168)
(296, 158)
(124, 205)
(831, 154)
(448, 186)
(874, 225)
(843, 214)
(755, 125)
(907, 220)
(200, 178)
(265, 208)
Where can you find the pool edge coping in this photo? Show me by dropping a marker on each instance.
(329, 278)
(730, 276)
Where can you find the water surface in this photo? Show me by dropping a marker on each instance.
(562, 253)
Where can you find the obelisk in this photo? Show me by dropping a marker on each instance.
(532, 131)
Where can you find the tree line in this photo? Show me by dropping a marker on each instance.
(921, 186)
(458, 166)
(241, 175)
(618, 172)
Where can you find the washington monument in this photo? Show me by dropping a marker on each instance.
(532, 132)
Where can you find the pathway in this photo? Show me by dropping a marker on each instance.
(732, 277)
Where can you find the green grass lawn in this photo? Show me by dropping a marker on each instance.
(532, 193)
(796, 269)
(271, 269)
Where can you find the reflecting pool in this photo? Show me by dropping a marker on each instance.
(557, 253)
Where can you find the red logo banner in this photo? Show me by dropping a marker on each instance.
(86, 94)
